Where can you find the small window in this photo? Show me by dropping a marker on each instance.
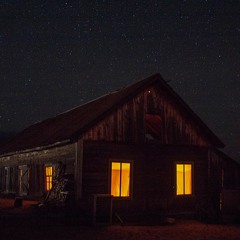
(183, 179)
(120, 179)
(49, 175)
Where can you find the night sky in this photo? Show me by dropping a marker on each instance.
(55, 55)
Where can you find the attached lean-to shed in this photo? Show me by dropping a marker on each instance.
(141, 144)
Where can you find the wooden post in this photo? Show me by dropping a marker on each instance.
(78, 169)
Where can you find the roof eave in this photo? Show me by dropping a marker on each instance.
(36, 149)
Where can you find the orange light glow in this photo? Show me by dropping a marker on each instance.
(48, 172)
(184, 179)
(120, 179)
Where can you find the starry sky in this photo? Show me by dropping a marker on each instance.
(55, 55)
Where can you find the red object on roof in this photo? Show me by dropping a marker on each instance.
(153, 123)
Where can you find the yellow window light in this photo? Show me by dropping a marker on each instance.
(184, 179)
(120, 179)
(48, 174)
(179, 179)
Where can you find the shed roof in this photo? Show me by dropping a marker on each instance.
(71, 124)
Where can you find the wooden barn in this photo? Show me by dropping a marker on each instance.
(140, 147)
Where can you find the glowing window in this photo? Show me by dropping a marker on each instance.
(48, 174)
(120, 179)
(183, 179)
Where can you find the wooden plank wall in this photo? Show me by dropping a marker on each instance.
(36, 161)
(231, 174)
(153, 175)
(214, 183)
(127, 123)
(78, 169)
(2, 182)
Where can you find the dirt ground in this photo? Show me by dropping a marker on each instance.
(26, 223)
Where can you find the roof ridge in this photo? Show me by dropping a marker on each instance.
(75, 121)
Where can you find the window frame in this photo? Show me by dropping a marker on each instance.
(175, 179)
(47, 176)
(131, 177)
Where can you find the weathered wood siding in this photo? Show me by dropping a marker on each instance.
(60, 154)
(153, 175)
(215, 182)
(231, 174)
(36, 162)
(121, 134)
(127, 123)
(2, 179)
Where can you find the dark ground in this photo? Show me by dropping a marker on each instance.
(29, 223)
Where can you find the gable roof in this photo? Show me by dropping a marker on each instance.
(69, 125)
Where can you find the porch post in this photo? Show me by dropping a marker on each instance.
(78, 169)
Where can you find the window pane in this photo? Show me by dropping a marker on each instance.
(125, 180)
(120, 179)
(184, 179)
(115, 179)
(188, 178)
(48, 172)
(179, 179)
